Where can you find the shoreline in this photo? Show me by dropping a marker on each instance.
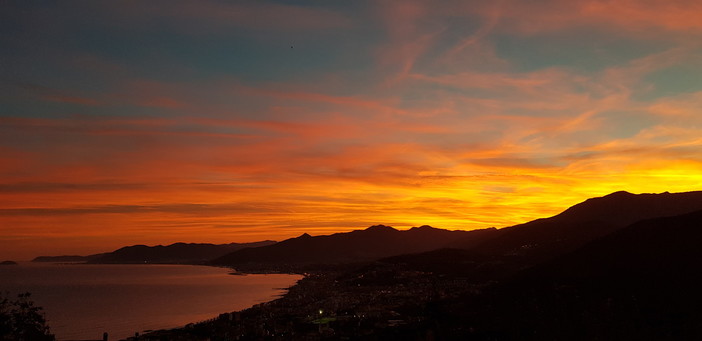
(285, 291)
(347, 303)
(226, 316)
(163, 297)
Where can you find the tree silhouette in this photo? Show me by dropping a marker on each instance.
(21, 320)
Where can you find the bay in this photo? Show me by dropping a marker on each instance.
(81, 301)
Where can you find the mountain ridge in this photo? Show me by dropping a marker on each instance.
(531, 242)
(374, 242)
(586, 221)
(176, 253)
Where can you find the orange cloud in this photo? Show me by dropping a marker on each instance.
(630, 15)
(670, 15)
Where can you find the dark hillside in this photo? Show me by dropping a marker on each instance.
(360, 245)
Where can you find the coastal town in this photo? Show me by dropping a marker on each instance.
(333, 306)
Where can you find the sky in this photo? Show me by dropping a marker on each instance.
(153, 122)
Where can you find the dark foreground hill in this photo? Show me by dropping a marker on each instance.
(360, 245)
(178, 253)
(639, 283)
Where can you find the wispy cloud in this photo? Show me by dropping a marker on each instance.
(147, 121)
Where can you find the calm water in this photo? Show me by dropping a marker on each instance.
(82, 301)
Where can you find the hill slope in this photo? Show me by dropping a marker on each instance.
(641, 282)
(174, 253)
(584, 222)
(359, 245)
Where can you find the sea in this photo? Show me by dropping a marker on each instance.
(82, 301)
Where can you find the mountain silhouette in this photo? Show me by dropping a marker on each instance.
(66, 258)
(359, 245)
(174, 253)
(503, 255)
(178, 253)
(524, 245)
(584, 222)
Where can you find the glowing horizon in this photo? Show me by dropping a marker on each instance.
(160, 122)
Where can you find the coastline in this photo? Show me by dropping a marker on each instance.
(81, 301)
(350, 303)
(193, 328)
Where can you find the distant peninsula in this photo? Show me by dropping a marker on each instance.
(65, 259)
(8, 262)
(178, 253)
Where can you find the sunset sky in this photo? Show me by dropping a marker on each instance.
(153, 122)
